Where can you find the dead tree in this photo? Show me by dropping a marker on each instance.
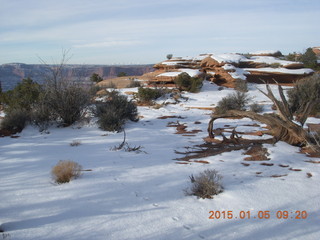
(281, 125)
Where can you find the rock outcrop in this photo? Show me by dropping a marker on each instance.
(226, 69)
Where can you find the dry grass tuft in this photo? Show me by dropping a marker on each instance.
(65, 171)
(206, 184)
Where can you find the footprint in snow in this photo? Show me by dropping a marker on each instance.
(176, 219)
(187, 227)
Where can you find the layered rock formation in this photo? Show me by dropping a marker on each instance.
(226, 69)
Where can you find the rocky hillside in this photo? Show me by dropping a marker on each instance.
(11, 74)
(226, 69)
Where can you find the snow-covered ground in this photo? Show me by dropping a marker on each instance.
(130, 195)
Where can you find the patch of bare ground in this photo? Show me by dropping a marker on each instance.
(283, 165)
(182, 129)
(310, 152)
(295, 169)
(166, 117)
(279, 175)
(267, 164)
(313, 161)
(245, 164)
(309, 175)
(257, 153)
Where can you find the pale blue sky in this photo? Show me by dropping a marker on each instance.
(145, 31)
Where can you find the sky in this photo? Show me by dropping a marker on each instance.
(145, 31)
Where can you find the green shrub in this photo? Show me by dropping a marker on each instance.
(23, 96)
(305, 90)
(149, 94)
(234, 101)
(187, 83)
(15, 120)
(206, 184)
(309, 59)
(113, 113)
(96, 78)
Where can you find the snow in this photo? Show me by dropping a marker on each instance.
(281, 70)
(191, 72)
(172, 63)
(130, 195)
(228, 58)
(263, 52)
(269, 60)
(169, 74)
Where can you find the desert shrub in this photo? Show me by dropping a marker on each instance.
(15, 120)
(292, 57)
(65, 171)
(41, 115)
(275, 65)
(169, 56)
(206, 184)
(187, 83)
(149, 94)
(133, 84)
(23, 96)
(309, 59)
(305, 90)
(257, 108)
(234, 101)
(67, 102)
(96, 78)
(113, 113)
(121, 74)
(241, 85)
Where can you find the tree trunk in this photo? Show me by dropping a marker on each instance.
(281, 129)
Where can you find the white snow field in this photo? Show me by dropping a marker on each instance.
(130, 195)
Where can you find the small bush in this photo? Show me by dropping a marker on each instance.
(149, 94)
(305, 90)
(67, 103)
(187, 83)
(309, 59)
(234, 101)
(206, 184)
(15, 120)
(241, 85)
(275, 65)
(96, 78)
(65, 171)
(257, 108)
(23, 96)
(41, 115)
(113, 113)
